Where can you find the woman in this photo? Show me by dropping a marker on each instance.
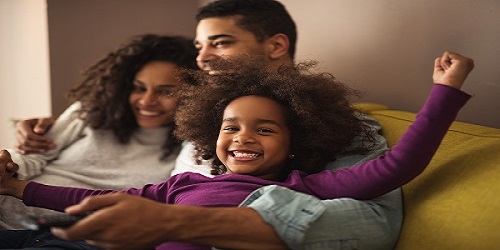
(118, 132)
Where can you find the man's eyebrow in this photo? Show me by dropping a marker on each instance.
(214, 37)
(219, 36)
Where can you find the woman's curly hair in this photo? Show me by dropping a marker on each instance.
(318, 108)
(107, 85)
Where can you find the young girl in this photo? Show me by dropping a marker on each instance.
(259, 134)
(118, 133)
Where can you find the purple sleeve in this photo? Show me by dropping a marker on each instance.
(54, 197)
(406, 160)
(58, 198)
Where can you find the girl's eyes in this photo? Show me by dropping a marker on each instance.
(260, 130)
(265, 130)
(230, 129)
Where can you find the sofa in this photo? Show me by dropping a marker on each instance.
(455, 202)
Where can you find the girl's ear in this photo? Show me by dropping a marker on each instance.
(277, 46)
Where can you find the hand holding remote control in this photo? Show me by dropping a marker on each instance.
(48, 221)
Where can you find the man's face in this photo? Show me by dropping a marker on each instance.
(220, 37)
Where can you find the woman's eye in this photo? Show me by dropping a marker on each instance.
(164, 92)
(136, 88)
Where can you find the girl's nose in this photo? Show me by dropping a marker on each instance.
(243, 139)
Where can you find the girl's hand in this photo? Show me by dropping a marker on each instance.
(452, 69)
(8, 184)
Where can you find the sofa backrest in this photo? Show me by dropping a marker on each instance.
(455, 202)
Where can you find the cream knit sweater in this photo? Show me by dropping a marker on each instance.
(90, 158)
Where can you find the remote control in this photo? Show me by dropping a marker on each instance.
(47, 221)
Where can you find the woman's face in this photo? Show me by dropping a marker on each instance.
(254, 138)
(151, 98)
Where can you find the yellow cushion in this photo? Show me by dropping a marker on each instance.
(455, 202)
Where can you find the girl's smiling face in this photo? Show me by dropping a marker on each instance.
(151, 98)
(254, 138)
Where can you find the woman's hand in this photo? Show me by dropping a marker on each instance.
(29, 135)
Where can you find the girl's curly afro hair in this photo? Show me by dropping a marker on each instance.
(318, 109)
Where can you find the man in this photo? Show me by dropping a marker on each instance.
(270, 218)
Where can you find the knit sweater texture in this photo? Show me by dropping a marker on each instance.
(90, 158)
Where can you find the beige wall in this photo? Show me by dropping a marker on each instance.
(386, 47)
(24, 64)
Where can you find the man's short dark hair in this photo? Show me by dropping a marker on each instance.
(264, 18)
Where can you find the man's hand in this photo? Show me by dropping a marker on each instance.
(29, 135)
(452, 69)
(122, 221)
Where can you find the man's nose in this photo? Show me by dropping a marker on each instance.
(205, 55)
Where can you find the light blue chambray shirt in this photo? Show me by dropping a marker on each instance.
(305, 222)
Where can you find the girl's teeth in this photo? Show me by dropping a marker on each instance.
(245, 155)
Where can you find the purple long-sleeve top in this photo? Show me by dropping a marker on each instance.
(368, 180)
